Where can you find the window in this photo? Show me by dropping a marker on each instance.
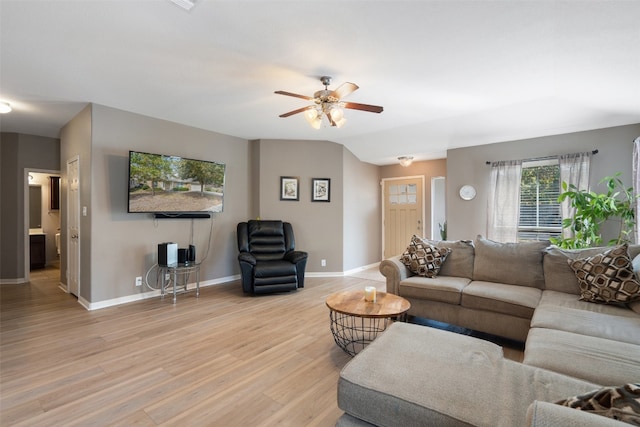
(540, 215)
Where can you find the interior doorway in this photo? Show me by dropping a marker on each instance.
(41, 220)
(438, 208)
(402, 214)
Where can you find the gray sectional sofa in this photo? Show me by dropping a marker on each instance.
(415, 375)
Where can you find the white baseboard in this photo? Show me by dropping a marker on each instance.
(16, 281)
(155, 294)
(145, 295)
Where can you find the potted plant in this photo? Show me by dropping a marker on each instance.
(593, 209)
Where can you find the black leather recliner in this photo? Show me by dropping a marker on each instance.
(268, 259)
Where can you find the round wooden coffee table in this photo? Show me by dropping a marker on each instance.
(356, 322)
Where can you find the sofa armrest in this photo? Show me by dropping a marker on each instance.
(395, 272)
(546, 414)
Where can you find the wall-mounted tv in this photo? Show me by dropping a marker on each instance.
(173, 185)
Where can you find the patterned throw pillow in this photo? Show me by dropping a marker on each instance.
(620, 403)
(607, 277)
(424, 259)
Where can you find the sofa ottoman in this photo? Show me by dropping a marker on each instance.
(414, 375)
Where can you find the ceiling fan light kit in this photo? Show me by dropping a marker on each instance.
(328, 103)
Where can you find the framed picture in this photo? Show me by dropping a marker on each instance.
(289, 188)
(320, 190)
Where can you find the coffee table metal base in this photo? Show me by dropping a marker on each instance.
(352, 333)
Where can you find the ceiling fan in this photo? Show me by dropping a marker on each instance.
(329, 103)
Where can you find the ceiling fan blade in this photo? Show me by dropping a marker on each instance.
(363, 107)
(282, 92)
(344, 89)
(299, 110)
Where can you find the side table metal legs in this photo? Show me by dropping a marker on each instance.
(352, 333)
(175, 272)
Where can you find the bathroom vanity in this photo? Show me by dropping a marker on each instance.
(37, 251)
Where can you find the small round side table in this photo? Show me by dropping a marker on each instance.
(356, 322)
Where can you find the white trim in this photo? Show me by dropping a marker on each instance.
(73, 159)
(436, 232)
(146, 295)
(154, 294)
(325, 274)
(16, 281)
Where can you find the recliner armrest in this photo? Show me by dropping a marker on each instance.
(295, 256)
(247, 257)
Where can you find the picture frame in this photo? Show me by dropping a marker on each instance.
(321, 190)
(289, 188)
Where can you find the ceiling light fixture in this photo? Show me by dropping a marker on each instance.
(328, 104)
(5, 108)
(185, 4)
(405, 160)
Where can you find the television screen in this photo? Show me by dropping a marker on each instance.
(171, 184)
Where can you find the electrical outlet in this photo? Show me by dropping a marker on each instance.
(167, 276)
(323, 263)
(139, 281)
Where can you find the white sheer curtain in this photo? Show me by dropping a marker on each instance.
(503, 211)
(636, 183)
(574, 169)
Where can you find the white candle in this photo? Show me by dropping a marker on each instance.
(370, 294)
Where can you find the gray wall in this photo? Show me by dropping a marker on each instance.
(467, 219)
(362, 229)
(123, 245)
(317, 225)
(117, 246)
(17, 153)
(76, 141)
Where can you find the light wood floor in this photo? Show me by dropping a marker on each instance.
(224, 359)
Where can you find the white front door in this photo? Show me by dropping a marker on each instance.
(403, 213)
(73, 226)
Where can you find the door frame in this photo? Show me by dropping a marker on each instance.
(383, 184)
(27, 254)
(435, 231)
(72, 159)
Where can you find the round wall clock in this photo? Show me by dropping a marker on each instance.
(467, 192)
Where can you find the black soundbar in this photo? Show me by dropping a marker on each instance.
(183, 215)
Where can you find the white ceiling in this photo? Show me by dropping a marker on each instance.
(448, 73)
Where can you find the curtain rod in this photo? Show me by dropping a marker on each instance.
(545, 158)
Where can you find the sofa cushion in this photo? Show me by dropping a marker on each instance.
(594, 359)
(415, 375)
(460, 260)
(519, 301)
(512, 263)
(547, 414)
(565, 312)
(558, 275)
(619, 403)
(442, 288)
(424, 259)
(607, 277)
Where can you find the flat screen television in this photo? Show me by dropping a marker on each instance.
(172, 185)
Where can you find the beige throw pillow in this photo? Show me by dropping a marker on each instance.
(607, 277)
(423, 258)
